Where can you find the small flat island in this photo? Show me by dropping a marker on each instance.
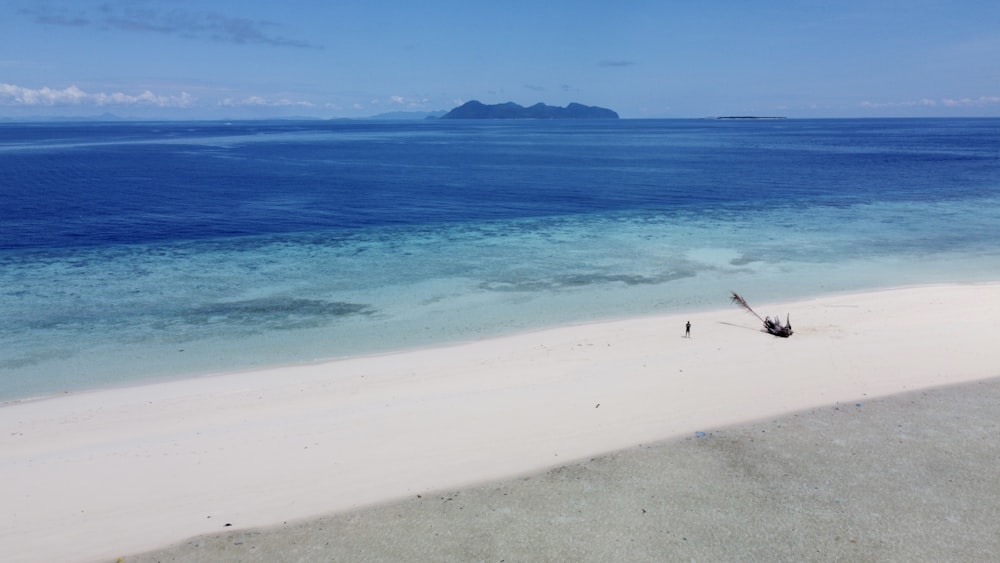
(750, 117)
(510, 110)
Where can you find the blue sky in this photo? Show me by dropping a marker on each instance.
(203, 59)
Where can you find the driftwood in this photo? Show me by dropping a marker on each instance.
(771, 326)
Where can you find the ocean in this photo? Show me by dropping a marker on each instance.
(132, 252)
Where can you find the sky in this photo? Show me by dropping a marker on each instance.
(245, 59)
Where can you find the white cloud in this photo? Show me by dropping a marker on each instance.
(147, 97)
(11, 94)
(258, 101)
(923, 102)
(17, 95)
(409, 103)
(981, 101)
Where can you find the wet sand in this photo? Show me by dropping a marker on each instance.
(912, 477)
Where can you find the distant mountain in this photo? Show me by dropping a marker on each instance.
(395, 115)
(510, 110)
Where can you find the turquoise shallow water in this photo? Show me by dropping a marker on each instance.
(112, 316)
(127, 310)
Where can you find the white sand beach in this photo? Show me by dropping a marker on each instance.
(106, 474)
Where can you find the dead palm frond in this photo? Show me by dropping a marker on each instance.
(737, 300)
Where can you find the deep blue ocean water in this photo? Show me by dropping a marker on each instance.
(134, 251)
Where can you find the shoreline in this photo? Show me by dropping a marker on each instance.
(195, 376)
(105, 473)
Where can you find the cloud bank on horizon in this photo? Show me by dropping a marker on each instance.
(181, 59)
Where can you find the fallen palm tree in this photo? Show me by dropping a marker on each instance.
(772, 326)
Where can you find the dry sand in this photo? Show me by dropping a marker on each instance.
(95, 476)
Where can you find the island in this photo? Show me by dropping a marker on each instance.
(510, 110)
(750, 117)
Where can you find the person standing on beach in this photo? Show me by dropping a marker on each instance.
(687, 330)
